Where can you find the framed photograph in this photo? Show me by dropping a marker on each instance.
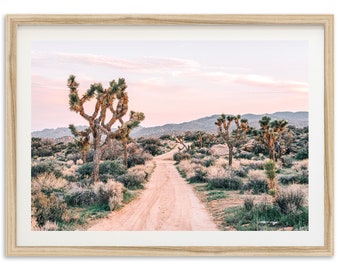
(169, 135)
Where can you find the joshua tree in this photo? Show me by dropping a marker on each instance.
(231, 137)
(111, 106)
(269, 135)
(180, 140)
(82, 140)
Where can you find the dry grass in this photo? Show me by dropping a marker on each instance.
(300, 165)
(48, 182)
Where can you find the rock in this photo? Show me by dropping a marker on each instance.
(219, 150)
(249, 146)
(69, 163)
(79, 162)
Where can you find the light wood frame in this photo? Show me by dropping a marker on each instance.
(14, 21)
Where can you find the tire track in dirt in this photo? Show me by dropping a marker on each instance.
(168, 203)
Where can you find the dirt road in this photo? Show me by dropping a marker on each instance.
(168, 203)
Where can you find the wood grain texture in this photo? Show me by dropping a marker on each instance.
(12, 23)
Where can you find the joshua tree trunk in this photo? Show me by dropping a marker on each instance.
(125, 152)
(97, 155)
(230, 146)
(83, 153)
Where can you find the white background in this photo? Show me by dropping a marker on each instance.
(165, 6)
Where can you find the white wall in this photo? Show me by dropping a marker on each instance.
(167, 6)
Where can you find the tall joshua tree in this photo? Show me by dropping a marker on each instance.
(270, 133)
(111, 106)
(231, 137)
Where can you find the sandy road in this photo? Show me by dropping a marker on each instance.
(168, 203)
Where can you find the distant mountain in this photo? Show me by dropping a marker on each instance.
(55, 133)
(298, 119)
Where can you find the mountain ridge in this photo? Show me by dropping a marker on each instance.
(206, 124)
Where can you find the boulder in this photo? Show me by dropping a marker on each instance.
(219, 150)
(249, 146)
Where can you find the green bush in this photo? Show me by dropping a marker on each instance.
(199, 177)
(81, 197)
(297, 178)
(45, 167)
(209, 162)
(181, 156)
(263, 217)
(134, 160)
(245, 155)
(47, 208)
(232, 183)
(107, 169)
(240, 172)
(302, 154)
(132, 180)
(287, 161)
(287, 179)
(256, 186)
(303, 177)
(151, 145)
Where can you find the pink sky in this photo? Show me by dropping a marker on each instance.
(172, 81)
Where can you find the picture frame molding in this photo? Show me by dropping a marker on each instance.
(13, 22)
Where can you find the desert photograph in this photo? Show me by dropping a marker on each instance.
(169, 135)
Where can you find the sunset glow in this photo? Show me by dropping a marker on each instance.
(172, 81)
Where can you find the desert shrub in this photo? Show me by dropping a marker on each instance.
(207, 162)
(42, 147)
(260, 148)
(257, 182)
(204, 150)
(302, 154)
(232, 183)
(134, 160)
(302, 177)
(240, 172)
(151, 145)
(47, 208)
(287, 179)
(85, 170)
(132, 180)
(248, 203)
(110, 193)
(244, 154)
(181, 156)
(81, 196)
(74, 156)
(290, 200)
(257, 186)
(287, 161)
(114, 168)
(252, 164)
(166, 137)
(300, 165)
(264, 216)
(254, 175)
(107, 169)
(199, 177)
(47, 184)
(45, 167)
